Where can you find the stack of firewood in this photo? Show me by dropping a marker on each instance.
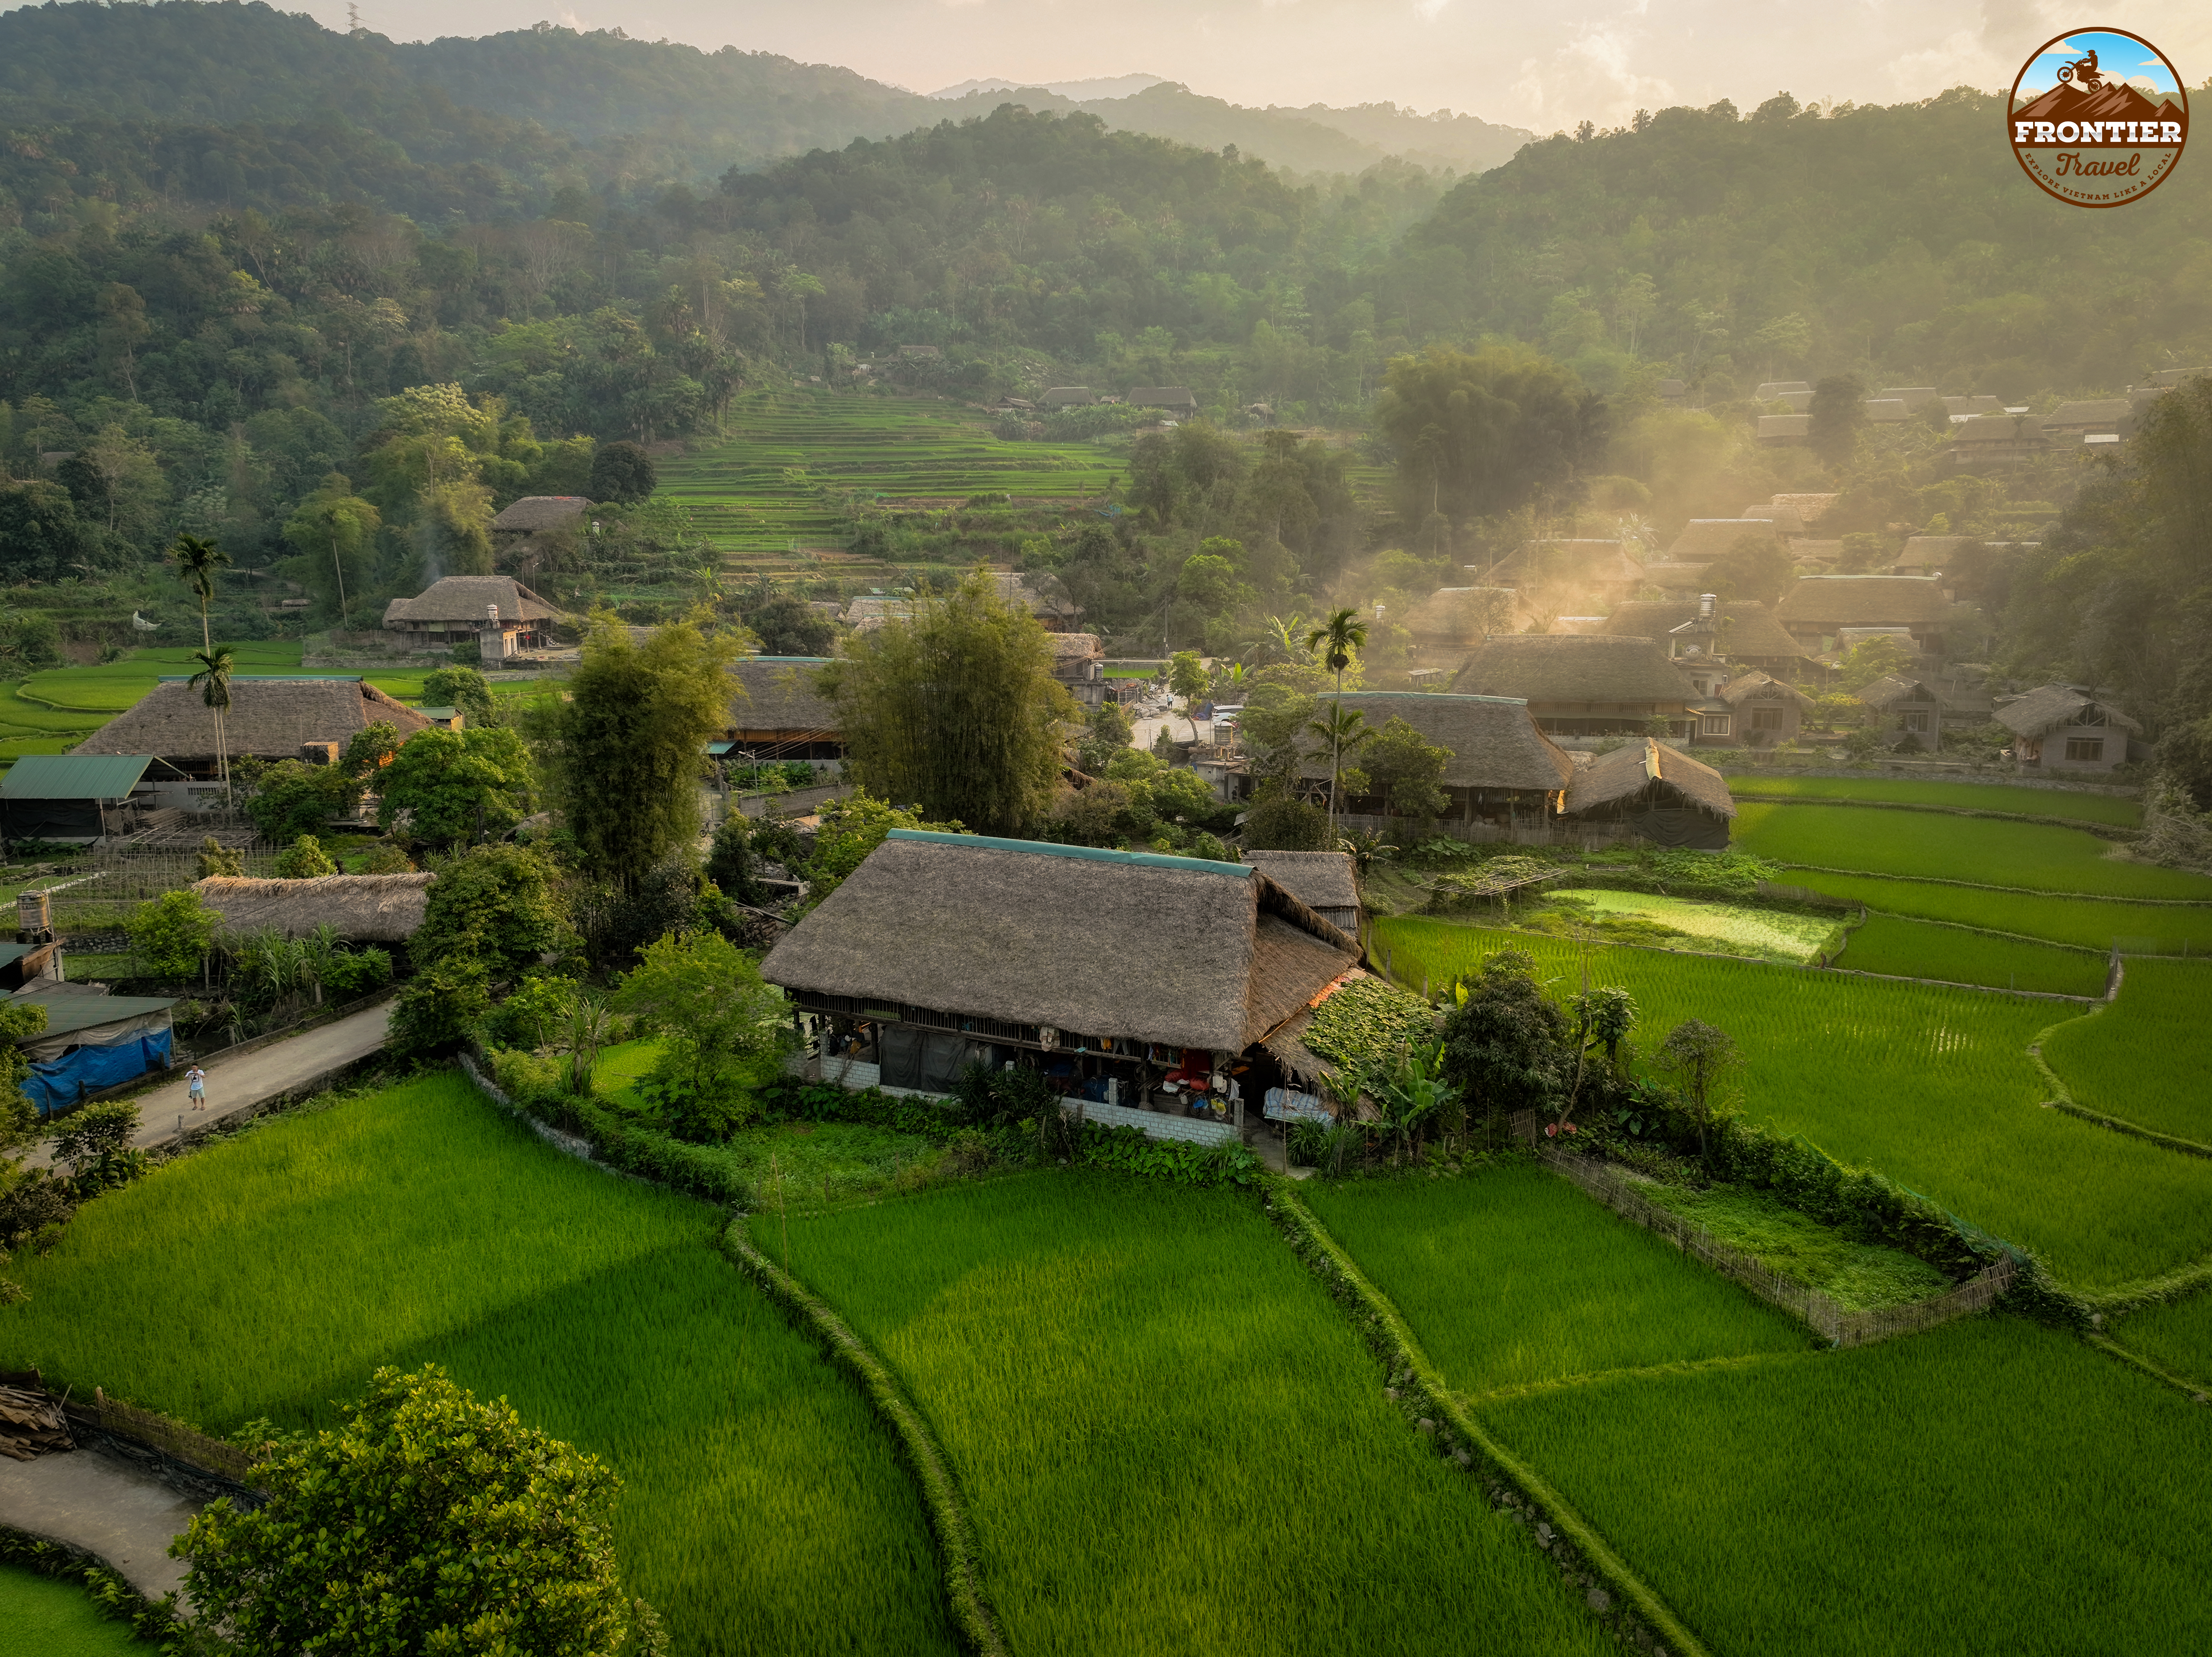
(31, 1423)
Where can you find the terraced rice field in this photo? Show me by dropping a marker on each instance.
(1169, 1437)
(1915, 1496)
(1932, 1086)
(1513, 1276)
(2085, 922)
(2143, 1059)
(1921, 949)
(760, 490)
(2177, 1337)
(2082, 807)
(2039, 857)
(763, 1508)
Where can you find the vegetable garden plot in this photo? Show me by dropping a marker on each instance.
(1168, 1438)
(2148, 1058)
(1989, 1487)
(1930, 1086)
(2034, 855)
(2090, 923)
(2177, 1337)
(1918, 949)
(763, 1507)
(1727, 928)
(1512, 1276)
(2114, 809)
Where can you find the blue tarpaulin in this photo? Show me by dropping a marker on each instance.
(56, 1083)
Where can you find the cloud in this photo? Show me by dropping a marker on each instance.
(1430, 10)
(1960, 59)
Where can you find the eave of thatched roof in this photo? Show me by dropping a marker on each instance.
(1492, 740)
(2048, 706)
(1751, 629)
(467, 598)
(1629, 771)
(1551, 669)
(1165, 949)
(365, 908)
(1702, 540)
(1320, 880)
(270, 718)
(781, 694)
(1832, 601)
(542, 512)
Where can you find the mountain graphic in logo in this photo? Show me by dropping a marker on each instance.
(2098, 117)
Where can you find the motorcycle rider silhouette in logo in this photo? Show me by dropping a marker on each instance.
(2083, 73)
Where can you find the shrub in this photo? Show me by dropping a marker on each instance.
(425, 1521)
(171, 934)
(296, 798)
(95, 1140)
(434, 1012)
(724, 1030)
(1286, 825)
(304, 859)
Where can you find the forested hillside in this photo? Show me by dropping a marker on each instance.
(1896, 240)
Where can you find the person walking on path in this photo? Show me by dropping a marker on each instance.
(196, 1087)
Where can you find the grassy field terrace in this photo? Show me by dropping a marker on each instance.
(759, 492)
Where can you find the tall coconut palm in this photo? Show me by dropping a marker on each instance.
(1336, 641)
(197, 561)
(213, 682)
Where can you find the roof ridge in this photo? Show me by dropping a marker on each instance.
(1081, 853)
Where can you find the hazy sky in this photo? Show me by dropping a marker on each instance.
(1540, 66)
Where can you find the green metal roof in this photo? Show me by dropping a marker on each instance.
(68, 1014)
(73, 776)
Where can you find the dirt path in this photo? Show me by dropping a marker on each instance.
(235, 1087)
(109, 1507)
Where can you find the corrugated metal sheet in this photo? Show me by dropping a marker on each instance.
(73, 776)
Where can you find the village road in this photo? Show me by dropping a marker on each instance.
(235, 1086)
(108, 1507)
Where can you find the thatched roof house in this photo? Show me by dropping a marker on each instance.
(1558, 573)
(365, 908)
(1811, 507)
(1323, 881)
(872, 611)
(2062, 728)
(2112, 415)
(1784, 519)
(1764, 711)
(1496, 748)
(497, 611)
(1706, 540)
(1176, 399)
(1819, 606)
(1775, 430)
(1908, 706)
(274, 718)
(1068, 397)
(1676, 581)
(1663, 795)
(783, 714)
(534, 512)
(1930, 555)
(1093, 967)
(1580, 684)
(1748, 631)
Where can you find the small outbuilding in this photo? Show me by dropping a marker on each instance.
(1656, 793)
(498, 612)
(1323, 881)
(783, 714)
(2062, 728)
(70, 797)
(1143, 986)
(92, 1040)
(1906, 709)
(1764, 712)
(365, 908)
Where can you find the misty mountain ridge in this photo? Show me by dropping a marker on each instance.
(1104, 86)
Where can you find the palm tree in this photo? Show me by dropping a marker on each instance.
(1343, 730)
(1335, 640)
(197, 561)
(213, 682)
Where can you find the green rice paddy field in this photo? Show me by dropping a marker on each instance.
(1990, 1487)
(2177, 1337)
(2082, 807)
(758, 489)
(1932, 1086)
(1169, 1437)
(1763, 934)
(762, 1508)
(2085, 922)
(1903, 947)
(2039, 857)
(2143, 1059)
(1514, 1277)
(43, 1617)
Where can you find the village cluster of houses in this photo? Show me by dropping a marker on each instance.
(1983, 430)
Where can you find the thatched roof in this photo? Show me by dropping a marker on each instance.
(1812, 508)
(1460, 616)
(1967, 406)
(1570, 563)
(1628, 771)
(1068, 397)
(1833, 601)
(1933, 551)
(1111, 944)
(1998, 428)
(1553, 668)
(1320, 880)
(1081, 645)
(1161, 396)
(2048, 706)
(468, 599)
(1784, 519)
(1702, 540)
(872, 611)
(365, 908)
(542, 512)
(2092, 412)
(1671, 577)
(1756, 687)
(781, 695)
(1892, 689)
(270, 718)
(1493, 740)
(1751, 628)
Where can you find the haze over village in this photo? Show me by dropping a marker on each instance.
(923, 828)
